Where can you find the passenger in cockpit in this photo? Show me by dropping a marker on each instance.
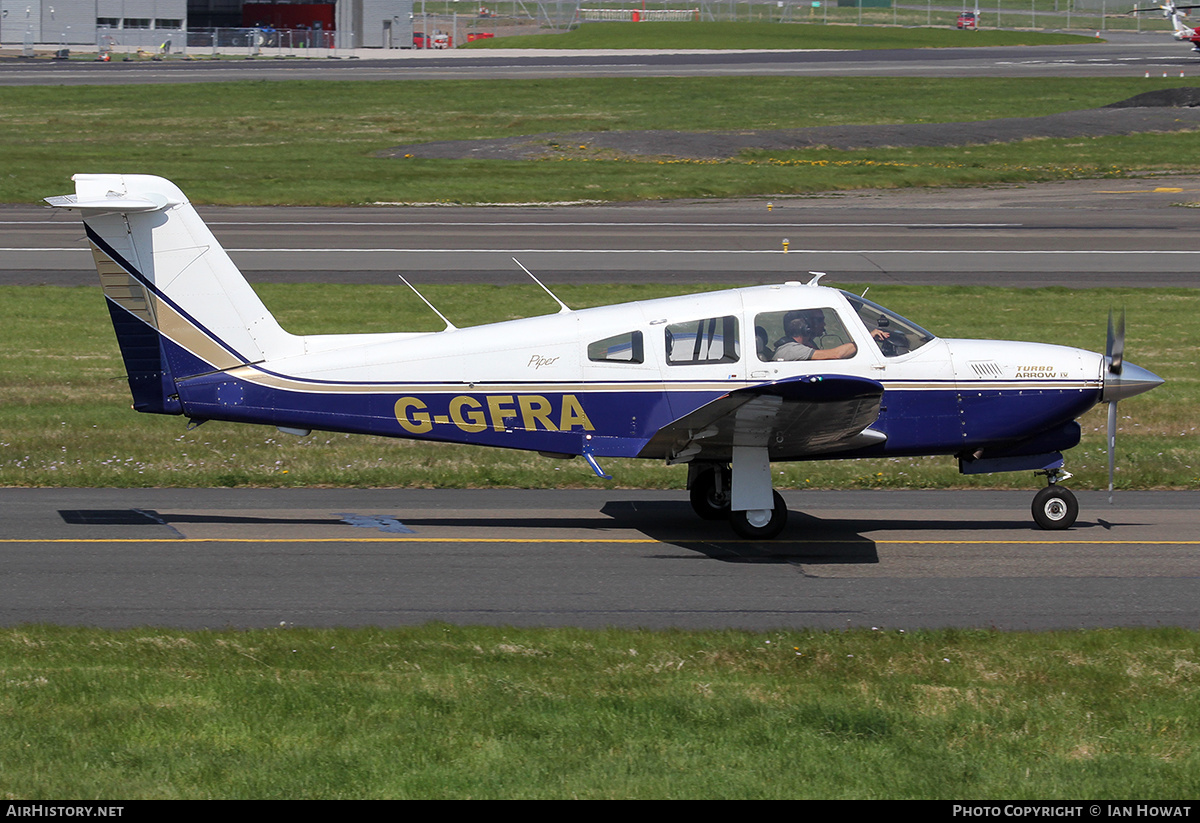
(801, 329)
(762, 343)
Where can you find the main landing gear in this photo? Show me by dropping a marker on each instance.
(1055, 507)
(711, 491)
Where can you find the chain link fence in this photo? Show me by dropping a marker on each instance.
(441, 25)
(113, 43)
(1078, 15)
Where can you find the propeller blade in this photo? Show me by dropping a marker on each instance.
(1112, 447)
(1114, 351)
(1114, 347)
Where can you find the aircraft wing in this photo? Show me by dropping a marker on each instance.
(794, 418)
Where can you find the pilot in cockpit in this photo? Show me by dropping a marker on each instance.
(801, 331)
(891, 343)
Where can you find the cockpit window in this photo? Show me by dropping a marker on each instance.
(893, 334)
(712, 340)
(802, 334)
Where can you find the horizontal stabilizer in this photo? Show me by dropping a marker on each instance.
(122, 204)
(126, 193)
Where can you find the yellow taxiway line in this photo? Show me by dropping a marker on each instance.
(531, 539)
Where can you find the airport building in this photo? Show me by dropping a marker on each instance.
(166, 25)
(73, 22)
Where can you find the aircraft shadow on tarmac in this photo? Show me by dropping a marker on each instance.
(675, 523)
(808, 539)
(149, 517)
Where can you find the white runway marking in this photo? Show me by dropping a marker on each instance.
(792, 250)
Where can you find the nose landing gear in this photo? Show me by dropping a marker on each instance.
(1055, 507)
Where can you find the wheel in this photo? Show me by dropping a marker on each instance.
(707, 502)
(756, 525)
(1054, 507)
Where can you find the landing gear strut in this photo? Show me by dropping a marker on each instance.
(755, 511)
(1055, 507)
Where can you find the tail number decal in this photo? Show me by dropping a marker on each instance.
(531, 412)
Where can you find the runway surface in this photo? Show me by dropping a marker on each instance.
(220, 558)
(1086, 233)
(1125, 54)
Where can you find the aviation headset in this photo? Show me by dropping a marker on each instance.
(802, 323)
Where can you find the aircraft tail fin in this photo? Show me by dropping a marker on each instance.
(179, 305)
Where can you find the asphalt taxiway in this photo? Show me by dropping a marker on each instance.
(216, 558)
(1083, 233)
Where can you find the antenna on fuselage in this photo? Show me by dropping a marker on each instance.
(817, 275)
(563, 306)
(449, 326)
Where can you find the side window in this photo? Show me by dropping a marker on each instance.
(620, 348)
(802, 334)
(713, 340)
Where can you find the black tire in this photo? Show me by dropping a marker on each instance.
(707, 503)
(762, 531)
(1055, 508)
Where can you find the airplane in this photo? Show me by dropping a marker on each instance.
(702, 379)
(1175, 14)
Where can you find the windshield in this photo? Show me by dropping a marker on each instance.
(894, 334)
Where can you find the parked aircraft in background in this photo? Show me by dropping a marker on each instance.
(724, 382)
(1175, 14)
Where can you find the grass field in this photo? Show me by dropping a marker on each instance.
(65, 417)
(449, 712)
(319, 142)
(1037, 17)
(723, 35)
